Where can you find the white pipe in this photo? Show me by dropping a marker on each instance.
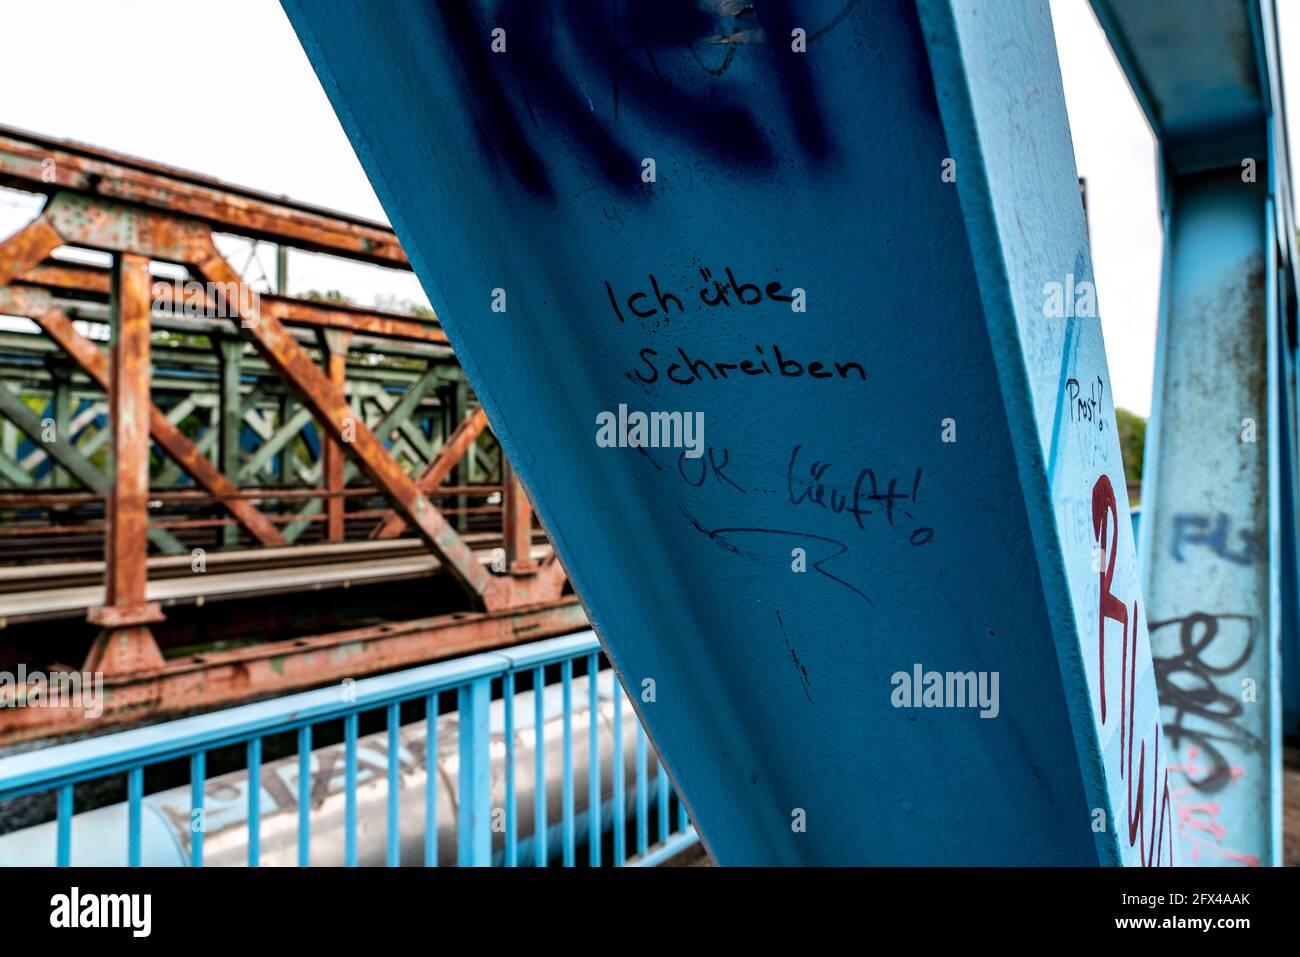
(99, 837)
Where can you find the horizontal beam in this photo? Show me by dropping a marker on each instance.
(214, 679)
(170, 438)
(53, 498)
(43, 165)
(93, 282)
(80, 467)
(343, 424)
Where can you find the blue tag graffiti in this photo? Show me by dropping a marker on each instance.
(1213, 534)
(634, 57)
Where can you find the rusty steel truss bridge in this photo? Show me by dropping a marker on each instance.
(177, 446)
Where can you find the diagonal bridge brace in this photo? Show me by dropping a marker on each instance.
(344, 424)
(544, 582)
(452, 451)
(36, 305)
(113, 227)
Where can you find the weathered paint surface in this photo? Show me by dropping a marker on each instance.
(126, 644)
(31, 162)
(1210, 615)
(761, 599)
(163, 431)
(1218, 530)
(525, 602)
(1032, 260)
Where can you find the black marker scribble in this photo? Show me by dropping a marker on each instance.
(720, 536)
(534, 83)
(1186, 683)
(799, 666)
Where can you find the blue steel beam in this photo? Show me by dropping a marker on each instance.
(1218, 505)
(846, 243)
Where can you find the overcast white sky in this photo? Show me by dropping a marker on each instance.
(222, 87)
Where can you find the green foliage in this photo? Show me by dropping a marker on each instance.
(1132, 441)
(330, 295)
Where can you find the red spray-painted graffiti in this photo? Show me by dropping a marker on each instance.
(1105, 525)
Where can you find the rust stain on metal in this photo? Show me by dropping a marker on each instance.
(452, 451)
(186, 454)
(331, 409)
(27, 248)
(517, 520)
(221, 678)
(222, 205)
(126, 645)
(140, 212)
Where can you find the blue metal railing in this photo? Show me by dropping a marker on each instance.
(485, 690)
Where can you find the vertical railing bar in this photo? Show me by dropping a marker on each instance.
(664, 796)
(642, 803)
(431, 781)
(199, 821)
(539, 767)
(134, 797)
(566, 783)
(474, 824)
(350, 786)
(304, 796)
(254, 802)
(620, 776)
(394, 777)
(64, 852)
(512, 823)
(593, 760)
(661, 779)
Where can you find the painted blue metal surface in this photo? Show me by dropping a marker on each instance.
(512, 799)
(350, 776)
(135, 795)
(64, 851)
(1218, 509)
(151, 834)
(1209, 583)
(593, 773)
(832, 232)
(255, 803)
(1194, 70)
(198, 772)
(430, 798)
(394, 852)
(475, 839)
(539, 772)
(566, 778)
(304, 795)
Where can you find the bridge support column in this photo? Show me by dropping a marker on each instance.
(1212, 500)
(1218, 529)
(474, 828)
(334, 347)
(882, 482)
(230, 413)
(517, 522)
(126, 644)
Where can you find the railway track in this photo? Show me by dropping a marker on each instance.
(70, 589)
